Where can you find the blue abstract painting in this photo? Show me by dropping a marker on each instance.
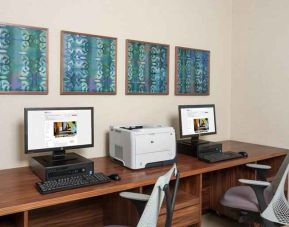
(147, 68)
(89, 64)
(192, 71)
(23, 60)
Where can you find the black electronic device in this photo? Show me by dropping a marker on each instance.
(197, 120)
(243, 153)
(115, 177)
(223, 156)
(54, 130)
(71, 182)
(74, 164)
(207, 151)
(57, 129)
(198, 149)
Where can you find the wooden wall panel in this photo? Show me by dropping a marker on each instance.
(183, 217)
(88, 213)
(191, 185)
(119, 211)
(222, 180)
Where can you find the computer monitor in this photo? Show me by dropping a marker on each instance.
(196, 120)
(57, 129)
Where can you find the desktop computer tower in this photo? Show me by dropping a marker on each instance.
(73, 164)
(198, 148)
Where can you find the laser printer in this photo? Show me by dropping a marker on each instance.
(142, 146)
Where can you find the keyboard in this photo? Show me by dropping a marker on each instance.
(220, 156)
(65, 183)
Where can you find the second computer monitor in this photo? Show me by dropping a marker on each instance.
(197, 120)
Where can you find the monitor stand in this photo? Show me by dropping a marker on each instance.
(196, 141)
(59, 157)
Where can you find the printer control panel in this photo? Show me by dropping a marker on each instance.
(133, 127)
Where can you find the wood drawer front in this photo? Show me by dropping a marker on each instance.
(183, 217)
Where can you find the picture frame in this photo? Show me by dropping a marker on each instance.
(147, 68)
(192, 72)
(88, 64)
(23, 59)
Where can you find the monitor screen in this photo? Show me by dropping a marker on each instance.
(48, 129)
(197, 120)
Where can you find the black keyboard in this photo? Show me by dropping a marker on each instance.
(220, 156)
(71, 182)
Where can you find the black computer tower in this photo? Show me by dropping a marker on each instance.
(73, 164)
(198, 148)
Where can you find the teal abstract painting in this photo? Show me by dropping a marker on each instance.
(147, 68)
(192, 71)
(23, 60)
(88, 64)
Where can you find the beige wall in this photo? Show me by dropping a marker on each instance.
(204, 24)
(260, 72)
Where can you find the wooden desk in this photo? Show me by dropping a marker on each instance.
(201, 186)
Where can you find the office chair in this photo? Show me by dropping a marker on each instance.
(261, 201)
(148, 206)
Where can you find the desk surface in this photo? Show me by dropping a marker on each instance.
(17, 192)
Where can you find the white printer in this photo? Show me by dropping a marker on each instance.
(143, 146)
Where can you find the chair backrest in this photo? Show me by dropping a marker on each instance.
(150, 214)
(278, 209)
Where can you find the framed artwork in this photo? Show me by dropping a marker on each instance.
(147, 68)
(192, 71)
(23, 59)
(88, 64)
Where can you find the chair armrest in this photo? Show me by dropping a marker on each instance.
(254, 182)
(258, 166)
(135, 196)
(261, 170)
(258, 187)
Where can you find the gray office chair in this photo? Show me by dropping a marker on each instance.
(148, 206)
(261, 201)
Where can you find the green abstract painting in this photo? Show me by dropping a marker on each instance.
(88, 64)
(23, 60)
(192, 71)
(147, 68)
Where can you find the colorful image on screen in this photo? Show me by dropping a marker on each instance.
(65, 129)
(201, 125)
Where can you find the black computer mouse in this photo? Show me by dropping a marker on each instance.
(243, 153)
(115, 177)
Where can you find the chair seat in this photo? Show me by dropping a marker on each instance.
(242, 198)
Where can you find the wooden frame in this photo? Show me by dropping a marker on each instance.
(167, 47)
(43, 85)
(62, 65)
(191, 90)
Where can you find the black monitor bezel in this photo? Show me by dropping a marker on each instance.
(196, 106)
(56, 148)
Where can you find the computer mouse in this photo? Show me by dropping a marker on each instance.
(115, 177)
(243, 153)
